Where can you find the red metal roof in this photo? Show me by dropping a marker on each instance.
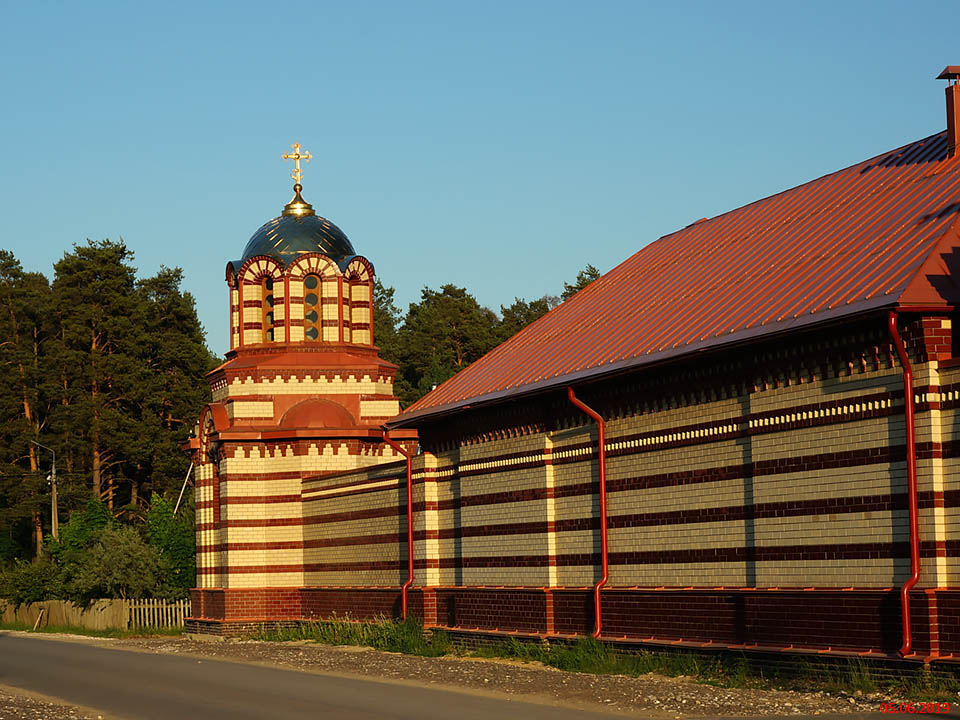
(875, 235)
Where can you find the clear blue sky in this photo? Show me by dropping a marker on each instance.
(498, 145)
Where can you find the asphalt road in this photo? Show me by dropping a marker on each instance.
(135, 685)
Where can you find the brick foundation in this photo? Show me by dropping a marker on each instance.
(199, 626)
(854, 621)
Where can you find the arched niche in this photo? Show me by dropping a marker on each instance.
(262, 301)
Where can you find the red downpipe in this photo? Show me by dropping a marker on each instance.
(907, 647)
(602, 460)
(409, 582)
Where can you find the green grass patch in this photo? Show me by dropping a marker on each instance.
(107, 633)
(588, 655)
(592, 656)
(383, 634)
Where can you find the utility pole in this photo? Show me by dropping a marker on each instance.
(184, 487)
(54, 513)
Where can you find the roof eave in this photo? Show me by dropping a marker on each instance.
(741, 337)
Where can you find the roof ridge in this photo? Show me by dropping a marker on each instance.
(812, 181)
(701, 225)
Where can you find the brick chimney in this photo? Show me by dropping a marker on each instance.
(951, 73)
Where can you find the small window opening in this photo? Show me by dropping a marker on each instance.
(312, 310)
(266, 309)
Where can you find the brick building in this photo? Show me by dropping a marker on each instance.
(302, 392)
(709, 445)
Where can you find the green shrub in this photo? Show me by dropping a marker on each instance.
(27, 582)
(174, 540)
(119, 564)
(80, 533)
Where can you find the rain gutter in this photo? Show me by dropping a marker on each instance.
(602, 472)
(409, 582)
(907, 647)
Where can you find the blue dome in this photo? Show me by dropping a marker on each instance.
(288, 236)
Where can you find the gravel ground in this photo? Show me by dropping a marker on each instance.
(656, 696)
(15, 704)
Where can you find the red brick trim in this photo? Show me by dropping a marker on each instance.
(741, 431)
(252, 500)
(364, 481)
(855, 458)
(824, 552)
(263, 477)
(303, 567)
(267, 522)
(312, 498)
(821, 461)
(348, 541)
(792, 508)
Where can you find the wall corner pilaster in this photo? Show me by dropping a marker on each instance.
(426, 468)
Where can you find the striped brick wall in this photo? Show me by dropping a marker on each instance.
(761, 502)
(251, 528)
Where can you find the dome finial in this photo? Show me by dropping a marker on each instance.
(297, 206)
(297, 156)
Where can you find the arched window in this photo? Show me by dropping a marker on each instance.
(267, 308)
(312, 314)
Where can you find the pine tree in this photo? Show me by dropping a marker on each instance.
(106, 370)
(177, 360)
(441, 335)
(386, 319)
(584, 278)
(522, 312)
(102, 320)
(24, 304)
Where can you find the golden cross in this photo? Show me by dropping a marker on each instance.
(297, 156)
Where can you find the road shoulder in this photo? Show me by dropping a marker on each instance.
(19, 704)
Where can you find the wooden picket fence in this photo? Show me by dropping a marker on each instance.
(151, 613)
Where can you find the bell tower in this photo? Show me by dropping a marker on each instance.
(302, 393)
